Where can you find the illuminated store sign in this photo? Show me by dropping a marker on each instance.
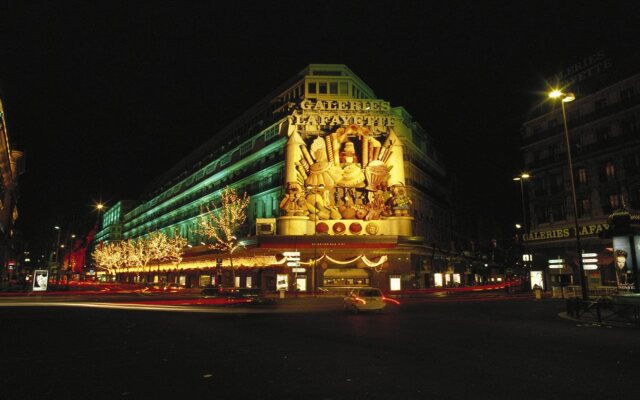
(563, 233)
(372, 113)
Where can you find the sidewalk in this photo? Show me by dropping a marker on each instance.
(607, 314)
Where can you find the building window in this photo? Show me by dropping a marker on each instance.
(584, 207)
(558, 212)
(614, 201)
(271, 133)
(626, 94)
(311, 87)
(322, 88)
(603, 133)
(610, 171)
(225, 159)
(632, 165)
(246, 148)
(634, 199)
(600, 104)
(573, 115)
(344, 88)
(333, 88)
(582, 176)
(629, 126)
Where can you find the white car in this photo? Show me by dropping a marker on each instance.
(364, 299)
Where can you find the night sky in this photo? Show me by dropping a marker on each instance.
(105, 96)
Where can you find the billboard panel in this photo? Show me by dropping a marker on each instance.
(40, 280)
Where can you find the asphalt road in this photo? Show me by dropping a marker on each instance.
(480, 348)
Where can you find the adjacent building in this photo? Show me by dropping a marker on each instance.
(11, 167)
(604, 134)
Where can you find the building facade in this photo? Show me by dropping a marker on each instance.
(11, 167)
(604, 134)
(350, 183)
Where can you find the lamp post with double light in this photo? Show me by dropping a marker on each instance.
(521, 179)
(317, 190)
(57, 244)
(567, 98)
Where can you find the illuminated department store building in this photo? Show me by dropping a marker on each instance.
(335, 174)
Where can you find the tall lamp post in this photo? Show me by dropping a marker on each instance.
(315, 189)
(99, 208)
(521, 178)
(57, 244)
(567, 98)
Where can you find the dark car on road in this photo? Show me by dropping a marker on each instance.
(237, 295)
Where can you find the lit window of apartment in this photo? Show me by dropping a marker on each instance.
(584, 207)
(610, 171)
(271, 133)
(614, 201)
(582, 176)
(225, 159)
(246, 148)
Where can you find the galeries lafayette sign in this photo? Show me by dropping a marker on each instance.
(343, 112)
(563, 233)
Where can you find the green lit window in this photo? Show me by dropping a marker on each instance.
(271, 133)
(246, 148)
(225, 159)
(210, 168)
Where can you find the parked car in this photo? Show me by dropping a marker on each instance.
(364, 299)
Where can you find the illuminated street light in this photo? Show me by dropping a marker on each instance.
(57, 243)
(567, 98)
(314, 189)
(521, 178)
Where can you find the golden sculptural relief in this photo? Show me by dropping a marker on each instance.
(345, 174)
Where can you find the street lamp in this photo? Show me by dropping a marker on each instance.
(521, 178)
(567, 98)
(69, 250)
(315, 189)
(57, 243)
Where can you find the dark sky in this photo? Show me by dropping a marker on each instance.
(105, 96)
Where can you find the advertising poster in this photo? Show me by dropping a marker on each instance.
(622, 263)
(40, 280)
(282, 282)
(537, 279)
